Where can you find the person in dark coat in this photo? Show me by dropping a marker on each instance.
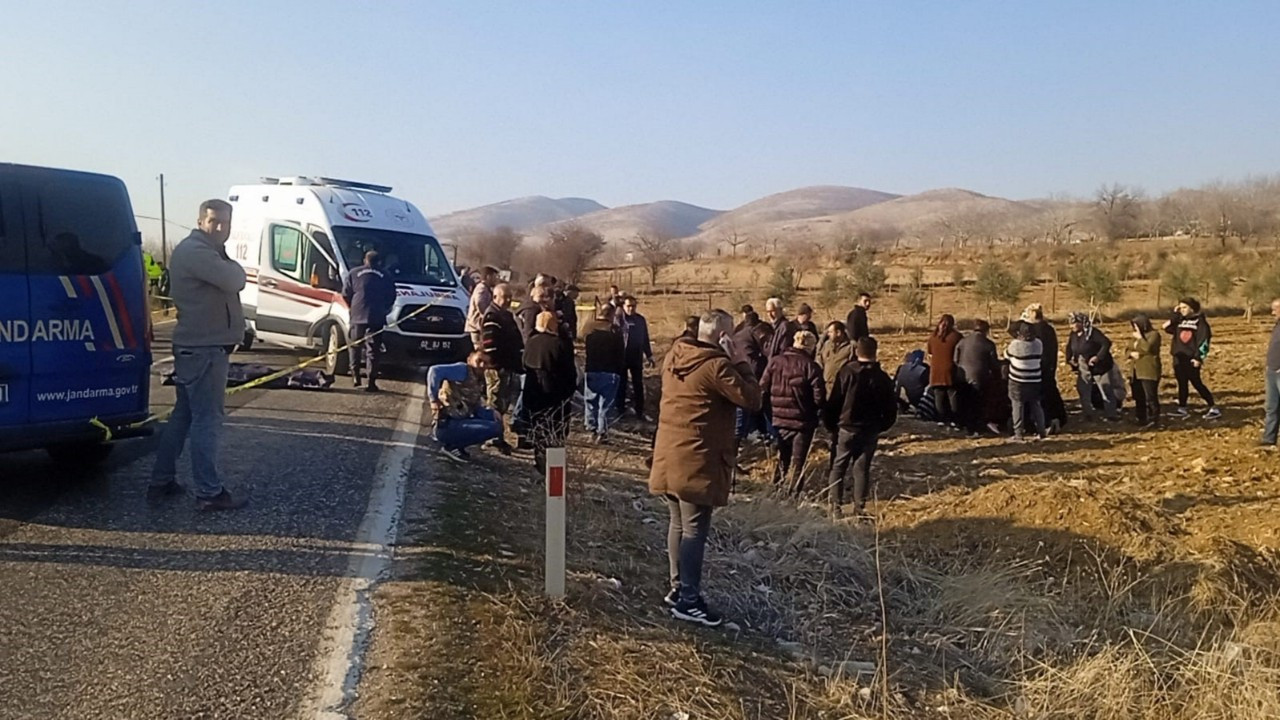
(911, 383)
(784, 330)
(1190, 348)
(639, 354)
(501, 340)
(605, 363)
(370, 294)
(856, 324)
(750, 337)
(797, 393)
(568, 308)
(860, 407)
(527, 316)
(1089, 353)
(551, 382)
(804, 320)
(977, 365)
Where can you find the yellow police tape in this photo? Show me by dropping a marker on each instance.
(108, 435)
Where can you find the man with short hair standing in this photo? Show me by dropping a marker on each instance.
(703, 381)
(370, 295)
(784, 331)
(605, 362)
(502, 342)
(639, 353)
(857, 325)
(206, 290)
(860, 407)
(478, 305)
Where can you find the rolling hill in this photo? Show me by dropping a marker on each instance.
(669, 217)
(807, 202)
(526, 215)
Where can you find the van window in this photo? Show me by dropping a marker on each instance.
(81, 227)
(286, 249)
(13, 256)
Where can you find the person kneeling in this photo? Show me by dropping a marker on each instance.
(462, 419)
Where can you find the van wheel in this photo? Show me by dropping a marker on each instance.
(80, 454)
(336, 361)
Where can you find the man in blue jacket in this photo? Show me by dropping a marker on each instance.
(371, 295)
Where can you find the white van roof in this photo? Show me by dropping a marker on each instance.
(346, 203)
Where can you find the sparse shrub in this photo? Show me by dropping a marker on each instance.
(1096, 279)
(1180, 279)
(997, 284)
(829, 294)
(782, 284)
(912, 298)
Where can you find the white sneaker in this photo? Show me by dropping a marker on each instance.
(1212, 413)
(1181, 413)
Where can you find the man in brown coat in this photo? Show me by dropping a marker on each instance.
(703, 381)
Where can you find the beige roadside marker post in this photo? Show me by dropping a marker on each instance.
(555, 570)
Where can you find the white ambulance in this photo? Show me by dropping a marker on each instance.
(297, 239)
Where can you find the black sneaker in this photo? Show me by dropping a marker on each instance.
(221, 501)
(355, 381)
(502, 446)
(160, 493)
(372, 387)
(455, 454)
(672, 598)
(696, 612)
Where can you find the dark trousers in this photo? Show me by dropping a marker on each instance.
(793, 450)
(856, 449)
(1188, 374)
(634, 369)
(371, 350)
(1051, 400)
(947, 399)
(686, 544)
(973, 399)
(1025, 400)
(1146, 399)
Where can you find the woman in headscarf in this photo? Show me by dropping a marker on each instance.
(1144, 370)
(1089, 352)
(941, 353)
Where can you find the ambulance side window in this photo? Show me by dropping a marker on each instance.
(289, 252)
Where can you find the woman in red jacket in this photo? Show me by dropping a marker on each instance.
(941, 352)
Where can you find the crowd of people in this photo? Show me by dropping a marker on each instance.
(769, 379)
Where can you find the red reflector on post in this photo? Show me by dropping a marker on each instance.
(555, 485)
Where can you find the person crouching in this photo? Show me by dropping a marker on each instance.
(462, 419)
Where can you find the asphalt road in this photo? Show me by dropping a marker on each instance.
(110, 608)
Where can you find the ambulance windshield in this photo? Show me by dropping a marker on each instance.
(408, 258)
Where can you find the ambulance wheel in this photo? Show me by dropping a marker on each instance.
(336, 360)
(79, 454)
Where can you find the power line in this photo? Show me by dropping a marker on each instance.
(168, 222)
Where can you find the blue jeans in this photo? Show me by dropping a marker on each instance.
(1272, 423)
(462, 433)
(600, 393)
(200, 377)
(748, 423)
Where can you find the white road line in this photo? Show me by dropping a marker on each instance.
(340, 661)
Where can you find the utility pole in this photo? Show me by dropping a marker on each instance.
(164, 239)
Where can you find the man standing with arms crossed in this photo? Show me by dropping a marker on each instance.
(206, 290)
(371, 295)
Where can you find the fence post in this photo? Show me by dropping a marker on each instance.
(555, 570)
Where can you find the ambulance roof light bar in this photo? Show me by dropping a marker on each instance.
(327, 182)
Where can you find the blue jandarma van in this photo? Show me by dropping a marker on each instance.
(75, 328)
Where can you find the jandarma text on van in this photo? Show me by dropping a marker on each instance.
(69, 395)
(69, 329)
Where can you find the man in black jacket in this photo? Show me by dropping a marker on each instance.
(568, 308)
(605, 364)
(501, 341)
(370, 294)
(551, 379)
(639, 353)
(784, 330)
(856, 324)
(859, 408)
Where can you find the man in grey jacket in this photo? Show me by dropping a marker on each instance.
(206, 286)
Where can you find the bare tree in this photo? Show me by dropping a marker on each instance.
(493, 247)
(1119, 210)
(806, 257)
(734, 240)
(656, 250)
(570, 250)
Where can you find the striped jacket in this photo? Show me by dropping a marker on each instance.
(1025, 357)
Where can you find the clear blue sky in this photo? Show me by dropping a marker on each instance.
(716, 103)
